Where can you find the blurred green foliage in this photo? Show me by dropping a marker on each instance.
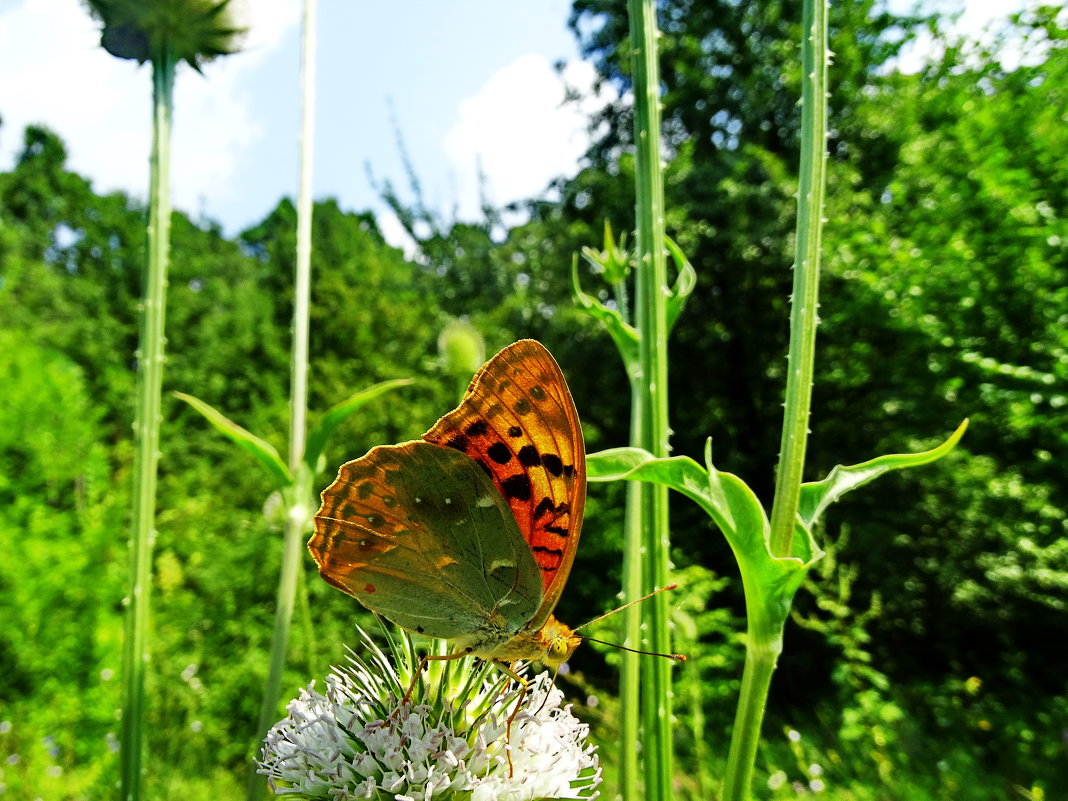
(926, 659)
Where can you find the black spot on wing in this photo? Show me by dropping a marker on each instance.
(459, 442)
(553, 464)
(517, 486)
(528, 456)
(543, 508)
(557, 552)
(477, 429)
(499, 453)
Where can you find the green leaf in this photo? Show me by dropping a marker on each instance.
(614, 260)
(816, 496)
(681, 473)
(336, 415)
(262, 451)
(684, 283)
(770, 581)
(625, 336)
(727, 499)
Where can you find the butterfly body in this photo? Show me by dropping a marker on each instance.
(469, 535)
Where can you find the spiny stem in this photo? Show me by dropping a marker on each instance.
(651, 320)
(805, 300)
(298, 514)
(150, 383)
(766, 619)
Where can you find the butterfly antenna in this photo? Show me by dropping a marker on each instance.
(625, 606)
(672, 657)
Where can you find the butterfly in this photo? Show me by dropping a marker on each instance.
(469, 534)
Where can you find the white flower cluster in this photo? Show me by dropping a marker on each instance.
(350, 743)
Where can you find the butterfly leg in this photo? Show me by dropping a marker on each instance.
(524, 686)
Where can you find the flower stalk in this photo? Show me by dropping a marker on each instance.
(298, 494)
(805, 298)
(146, 428)
(646, 549)
(766, 618)
(164, 32)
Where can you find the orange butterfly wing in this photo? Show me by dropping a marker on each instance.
(519, 423)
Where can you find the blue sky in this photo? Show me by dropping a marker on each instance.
(461, 79)
(466, 80)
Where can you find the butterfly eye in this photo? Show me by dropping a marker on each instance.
(559, 649)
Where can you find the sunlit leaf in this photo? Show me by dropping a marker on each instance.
(262, 451)
(733, 507)
(724, 497)
(816, 496)
(336, 415)
(625, 336)
(684, 283)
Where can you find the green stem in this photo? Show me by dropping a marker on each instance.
(298, 395)
(297, 503)
(760, 662)
(287, 582)
(766, 615)
(630, 667)
(311, 647)
(622, 301)
(766, 618)
(651, 320)
(146, 460)
(804, 304)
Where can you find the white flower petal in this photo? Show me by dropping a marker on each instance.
(336, 747)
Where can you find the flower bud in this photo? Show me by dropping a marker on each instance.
(193, 31)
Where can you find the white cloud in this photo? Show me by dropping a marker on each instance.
(100, 105)
(976, 20)
(395, 234)
(518, 128)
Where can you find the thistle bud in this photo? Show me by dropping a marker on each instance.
(461, 347)
(194, 31)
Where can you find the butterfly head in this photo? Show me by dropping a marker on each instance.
(558, 640)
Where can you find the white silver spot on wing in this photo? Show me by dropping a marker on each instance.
(485, 501)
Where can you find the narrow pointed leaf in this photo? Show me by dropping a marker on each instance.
(816, 496)
(733, 507)
(725, 498)
(262, 451)
(336, 415)
(684, 283)
(681, 473)
(625, 336)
